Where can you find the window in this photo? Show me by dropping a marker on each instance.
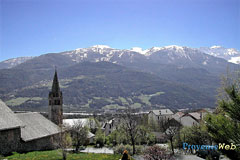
(57, 102)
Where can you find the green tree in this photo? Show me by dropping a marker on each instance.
(193, 135)
(99, 138)
(224, 127)
(118, 136)
(145, 136)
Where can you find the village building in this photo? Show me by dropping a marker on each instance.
(177, 116)
(111, 125)
(159, 116)
(25, 132)
(10, 130)
(189, 120)
(38, 133)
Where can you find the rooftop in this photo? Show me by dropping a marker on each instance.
(8, 120)
(36, 126)
(162, 112)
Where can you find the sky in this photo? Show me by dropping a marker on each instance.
(35, 27)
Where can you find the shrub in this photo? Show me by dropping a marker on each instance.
(139, 150)
(156, 153)
(120, 148)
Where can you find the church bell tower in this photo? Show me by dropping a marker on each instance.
(55, 113)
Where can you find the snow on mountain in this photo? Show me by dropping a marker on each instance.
(174, 51)
(167, 54)
(139, 50)
(174, 47)
(230, 54)
(235, 60)
(13, 62)
(149, 51)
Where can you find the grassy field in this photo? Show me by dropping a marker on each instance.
(21, 100)
(56, 155)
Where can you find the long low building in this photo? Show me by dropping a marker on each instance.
(25, 131)
(10, 130)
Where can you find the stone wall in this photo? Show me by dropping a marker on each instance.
(45, 143)
(9, 140)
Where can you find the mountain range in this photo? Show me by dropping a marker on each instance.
(230, 54)
(101, 77)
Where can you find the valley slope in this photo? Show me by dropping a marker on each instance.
(101, 77)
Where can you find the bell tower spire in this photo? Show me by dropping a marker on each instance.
(55, 85)
(55, 113)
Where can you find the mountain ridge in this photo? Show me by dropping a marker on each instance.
(167, 67)
(230, 54)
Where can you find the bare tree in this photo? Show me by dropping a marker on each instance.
(79, 134)
(130, 126)
(170, 130)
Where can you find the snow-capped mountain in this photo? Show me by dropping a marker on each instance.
(176, 55)
(230, 54)
(139, 50)
(103, 53)
(13, 62)
(179, 65)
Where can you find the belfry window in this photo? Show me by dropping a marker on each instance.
(57, 102)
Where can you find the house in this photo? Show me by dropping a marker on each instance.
(178, 115)
(110, 126)
(196, 115)
(190, 120)
(159, 116)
